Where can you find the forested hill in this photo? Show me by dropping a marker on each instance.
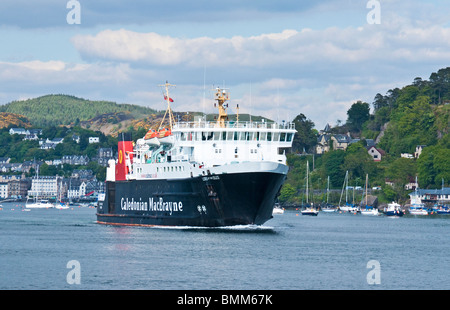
(402, 119)
(52, 110)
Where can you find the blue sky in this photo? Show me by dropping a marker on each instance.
(278, 58)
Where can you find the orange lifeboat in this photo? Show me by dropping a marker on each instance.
(152, 133)
(165, 132)
(165, 136)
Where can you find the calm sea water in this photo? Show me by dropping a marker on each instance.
(291, 251)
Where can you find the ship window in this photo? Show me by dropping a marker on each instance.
(217, 135)
(229, 135)
(276, 136)
(263, 136)
(283, 137)
(207, 136)
(289, 137)
(183, 136)
(236, 136)
(269, 136)
(224, 135)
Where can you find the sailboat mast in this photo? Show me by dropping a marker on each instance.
(367, 180)
(328, 187)
(346, 186)
(307, 173)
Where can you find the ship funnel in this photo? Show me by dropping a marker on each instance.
(125, 157)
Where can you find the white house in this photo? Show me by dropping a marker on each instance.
(94, 139)
(19, 131)
(375, 153)
(406, 155)
(76, 189)
(44, 187)
(419, 150)
(3, 190)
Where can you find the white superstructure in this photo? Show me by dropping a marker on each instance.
(205, 148)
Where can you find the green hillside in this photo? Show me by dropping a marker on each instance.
(52, 110)
(417, 114)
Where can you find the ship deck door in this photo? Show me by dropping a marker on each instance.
(111, 197)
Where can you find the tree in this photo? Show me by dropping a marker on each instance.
(305, 138)
(379, 101)
(357, 115)
(287, 192)
(333, 167)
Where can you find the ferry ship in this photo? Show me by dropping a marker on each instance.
(205, 174)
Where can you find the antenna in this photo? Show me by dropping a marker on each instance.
(250, 102)
(204, 89)
(168, 100)
(278, 104)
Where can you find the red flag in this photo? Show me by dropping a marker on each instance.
(170, 99)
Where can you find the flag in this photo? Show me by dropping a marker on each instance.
(170, 99)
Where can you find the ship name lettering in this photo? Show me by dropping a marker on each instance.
(213, 177)
(168, 206)
(133, 205)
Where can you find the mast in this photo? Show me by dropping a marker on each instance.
(328, 187)
(367, 180)
(307, 172)
(221, 96)
(169, 110)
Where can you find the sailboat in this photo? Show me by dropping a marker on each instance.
(41, 204)
(348, 207)
(309, 210)
(417, 207)
(368, 210)
(329, 208)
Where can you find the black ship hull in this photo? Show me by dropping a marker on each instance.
(204, 201)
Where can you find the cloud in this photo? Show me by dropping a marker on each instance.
(287, 54)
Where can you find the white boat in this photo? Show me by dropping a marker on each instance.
(418, 210)
(61, 206)
(41, 204)
(368, 210)
(417, 207)
(393, 209)
(277, 210)
(348, 207)
(329, 209)
(310, 211)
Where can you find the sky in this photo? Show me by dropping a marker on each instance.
(277, 58)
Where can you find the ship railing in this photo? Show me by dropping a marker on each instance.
(231, 124)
